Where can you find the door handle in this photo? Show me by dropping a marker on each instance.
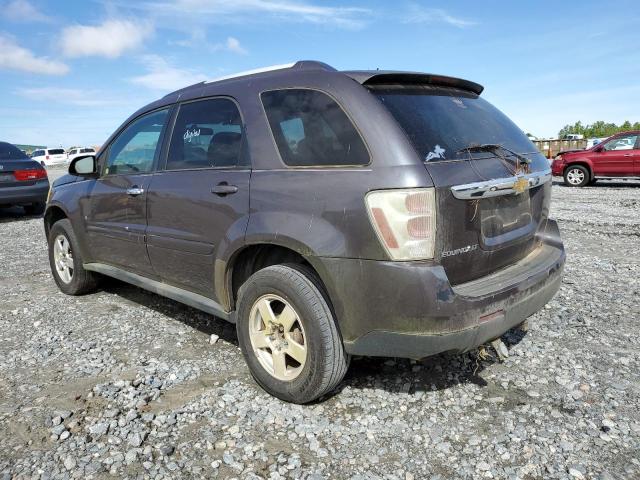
(223, 189)
(135, 191)
(628, 155)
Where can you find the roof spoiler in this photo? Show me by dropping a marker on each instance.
(385, 77)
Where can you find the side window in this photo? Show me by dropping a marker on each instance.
(134, 150)
(311, 129)
(207, 134)
(621, 143)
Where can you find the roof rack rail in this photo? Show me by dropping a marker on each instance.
(300, 65)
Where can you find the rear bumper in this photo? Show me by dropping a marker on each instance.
(409, 309)
(25, 194)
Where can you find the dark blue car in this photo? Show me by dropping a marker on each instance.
(23, 181)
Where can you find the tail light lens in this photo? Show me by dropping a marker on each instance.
(30, 174)
(46, 157)
(405, 221)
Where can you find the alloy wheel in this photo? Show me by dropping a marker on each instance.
(277, 337)
(575, 176)
(63, 258)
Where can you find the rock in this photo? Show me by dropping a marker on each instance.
(213, 338)
(69, 462)
(135, 439)
(167, 450)
(99, 429)
(131, 456)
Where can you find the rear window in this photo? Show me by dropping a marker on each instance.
(56, 151)
(11, 152)
(440, 122)
(310, 129)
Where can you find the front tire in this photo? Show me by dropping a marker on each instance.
(288, 334)
(576, 176)
(66, 261)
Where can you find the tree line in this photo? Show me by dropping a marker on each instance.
(597, 129)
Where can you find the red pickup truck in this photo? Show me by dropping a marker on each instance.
(617, 156)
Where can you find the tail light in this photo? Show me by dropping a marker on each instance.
(46, 157)
(30, 174)
(405, 221)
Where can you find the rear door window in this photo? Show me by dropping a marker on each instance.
(206, 134)
(134, 150)
(310, 129)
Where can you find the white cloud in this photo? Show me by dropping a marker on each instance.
(110, 39)
(23, 11)
(417, 14)
(69, 96)
(241, 11)
(15, 57)
(232, 44)
(162, 76)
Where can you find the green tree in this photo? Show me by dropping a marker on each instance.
(597, 129)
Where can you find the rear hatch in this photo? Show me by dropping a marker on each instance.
(492, 184)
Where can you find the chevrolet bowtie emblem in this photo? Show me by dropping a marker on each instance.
(520, 185)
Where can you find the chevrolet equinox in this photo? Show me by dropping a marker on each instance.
(326, 213)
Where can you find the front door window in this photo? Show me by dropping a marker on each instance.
(621, 143)
(135, 149)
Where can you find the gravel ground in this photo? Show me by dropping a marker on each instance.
(125, 383)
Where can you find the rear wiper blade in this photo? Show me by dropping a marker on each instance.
(492, 147)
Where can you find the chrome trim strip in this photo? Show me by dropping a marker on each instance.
(499, 186)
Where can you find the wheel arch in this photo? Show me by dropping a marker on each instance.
(256, 256)
(583, 163)
(53, 214)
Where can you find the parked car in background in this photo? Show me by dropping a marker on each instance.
(23, 181)
(50, 156)
(325, 213)
(79, 151)
(573, 136)
(614, 157)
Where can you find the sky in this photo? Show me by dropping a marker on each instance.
(72, 71)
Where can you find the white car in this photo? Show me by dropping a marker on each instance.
(50, 156)
(80, 151)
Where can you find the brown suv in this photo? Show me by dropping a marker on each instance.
(326, 213)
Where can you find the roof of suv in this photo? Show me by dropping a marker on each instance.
(364, 77)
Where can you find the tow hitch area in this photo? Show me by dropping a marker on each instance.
(501, 349)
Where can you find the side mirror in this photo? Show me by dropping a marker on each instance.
(599, 148)
(83, 166)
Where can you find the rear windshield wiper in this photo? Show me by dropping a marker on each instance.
(492, 147)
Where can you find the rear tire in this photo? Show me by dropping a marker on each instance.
(66, 261)
(35, 208)
(283, 313)
(576, 176)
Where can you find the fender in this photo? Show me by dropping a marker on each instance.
(68, 200)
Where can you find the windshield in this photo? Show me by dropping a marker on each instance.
(442, 123)
(10, 152)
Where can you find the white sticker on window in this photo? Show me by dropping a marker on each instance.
(438, 152)
(458, 102)
(189, 134)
